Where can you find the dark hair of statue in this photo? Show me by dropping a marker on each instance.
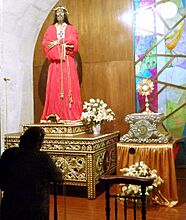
(65, 19)
(32, 138)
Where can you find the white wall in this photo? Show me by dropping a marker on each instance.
(20, 24)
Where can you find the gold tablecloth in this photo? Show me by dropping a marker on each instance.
(156, 156)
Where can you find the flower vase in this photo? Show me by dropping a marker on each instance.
(96, 128)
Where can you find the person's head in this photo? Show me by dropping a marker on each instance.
(61, 15)
(32, 138)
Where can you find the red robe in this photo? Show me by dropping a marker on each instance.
(62, 77)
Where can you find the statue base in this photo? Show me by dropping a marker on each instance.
(67, 128)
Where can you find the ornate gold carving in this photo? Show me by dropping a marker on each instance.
(72, 167)
(66, 129)
(105, 162)
(99, 164)
(91, 177)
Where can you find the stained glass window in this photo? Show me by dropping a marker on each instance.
(160, 55)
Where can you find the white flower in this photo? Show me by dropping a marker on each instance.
(96, 111)
(140, 169)
(91, 100)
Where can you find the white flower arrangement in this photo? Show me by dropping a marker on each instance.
(139, 170)
(95, 111)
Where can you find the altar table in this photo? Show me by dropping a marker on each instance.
(82, 158)
(156, 156)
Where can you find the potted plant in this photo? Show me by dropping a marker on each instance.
(95, 112)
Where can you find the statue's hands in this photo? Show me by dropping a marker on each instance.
(68, 46)
(53, 43)
(56, 42)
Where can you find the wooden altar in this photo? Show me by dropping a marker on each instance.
(82, 157)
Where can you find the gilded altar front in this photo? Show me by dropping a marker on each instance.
(82, 158)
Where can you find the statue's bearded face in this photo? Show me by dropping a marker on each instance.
(60, 15)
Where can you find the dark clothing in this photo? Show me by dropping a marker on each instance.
(25, 176)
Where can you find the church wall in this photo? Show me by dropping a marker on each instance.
(21, 22)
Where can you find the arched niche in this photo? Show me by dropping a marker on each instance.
(106, 49)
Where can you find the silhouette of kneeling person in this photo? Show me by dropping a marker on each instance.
(25, 176)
